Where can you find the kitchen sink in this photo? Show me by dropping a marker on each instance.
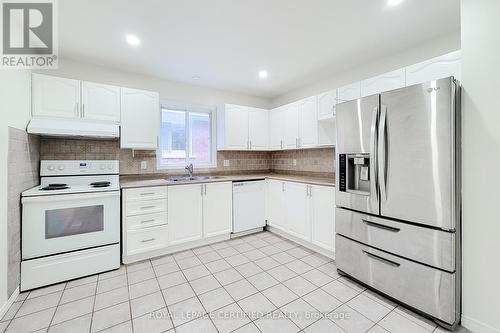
(190, 179)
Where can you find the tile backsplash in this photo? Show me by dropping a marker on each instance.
(310, 161)
(23, 173)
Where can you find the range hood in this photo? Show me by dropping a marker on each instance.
(73, 128)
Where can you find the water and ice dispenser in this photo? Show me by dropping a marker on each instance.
(354, 173)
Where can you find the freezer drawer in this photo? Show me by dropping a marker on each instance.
(424, 288)
(429, 246)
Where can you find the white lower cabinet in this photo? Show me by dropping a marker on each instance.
(323, 216)
(303, 211)
(276, 204)
(185, 209)
(297, 210)
(217, 209)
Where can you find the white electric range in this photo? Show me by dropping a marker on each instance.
(70, 222)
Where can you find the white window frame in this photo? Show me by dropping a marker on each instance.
(212, 111)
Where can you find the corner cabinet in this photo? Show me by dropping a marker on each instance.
(242, 128)
(303, 212)
(434, 69)
(140, 119)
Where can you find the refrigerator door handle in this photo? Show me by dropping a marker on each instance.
(381, 259)
(382, 153)
(374, 186)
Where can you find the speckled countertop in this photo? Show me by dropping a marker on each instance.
(149, 181)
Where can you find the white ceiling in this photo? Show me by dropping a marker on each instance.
(226, 42)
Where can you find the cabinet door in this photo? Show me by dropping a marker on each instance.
(258, 129)
(185, 213)
(297, 210)
(323, 217)
(140, 119)
(55, 97)
(217, 209)
(385, 82)
(436, 68)
(349, 92)
(276, 204)
(276, 128)
(100, 102)
(308, 122)
(326, 104)
(236, 127)
(291, 125)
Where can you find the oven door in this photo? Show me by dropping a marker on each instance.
(61, 223)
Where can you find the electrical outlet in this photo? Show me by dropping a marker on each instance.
(144, 165)
(226, 163)
(294, 162)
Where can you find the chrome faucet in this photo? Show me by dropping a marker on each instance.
(189, 169)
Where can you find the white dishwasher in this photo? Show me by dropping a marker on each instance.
(249, 203)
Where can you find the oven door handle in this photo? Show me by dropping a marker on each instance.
(71, 197)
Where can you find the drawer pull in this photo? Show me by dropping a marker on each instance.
(148, 207)
(381, 226)
(148, 221)
(386, 261)
(149, 193)
(148, 240)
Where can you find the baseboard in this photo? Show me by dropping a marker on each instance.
(477, 326)
(6, 306)
(311, 246)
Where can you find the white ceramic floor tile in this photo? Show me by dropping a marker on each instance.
(204, 284)
(195, 272)
(188, 262)
(240, 289)
(79, 292)
(368, 307)
(282, 273)
(114, 273)
(186, 311)
(10, 313)
(166, 268)
(322, 301)
(262, 281)
(229, 318)
(218, 266)
(380, 329)
(254, 254)
(248, 269)
(279, 295)
(330, 269)
(301, 313)
(202, 250)
(31, 322)
(170, 280)
(146, 304)
(236, 260)
(183, 255)
(74, 309)
(299, 285)
(82, 281)
(270, 250)
(417, 319)
(299, 267)
(46, 290)
(125, 327)
(394, 322)
(178, 293)
(256, 306)
(317, 277)
(209, 256)
(283, 257)
(353, 321)
(111, 283)
(154, 322)
(267, 263)
(324, 326)
(143, 288)
(162, 260)
(137, 266)
(228, 276)
(340, 291)
(32, 305)
(111, 316)
(203, 324)
(76, 325)
(110, 298)
(215, 299)
(276, 324)
(227, 252)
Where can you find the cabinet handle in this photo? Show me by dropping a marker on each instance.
(201, 189)
(148, 193)
(381, 226)
(83, 110)
(147, 240)
(78, 110)
(148, 221)
(282, 187)
(205, 189)
(148, 207)
(386, 261)
(250, 144)
(281, 144)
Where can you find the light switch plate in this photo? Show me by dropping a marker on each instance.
(144, 165)
(226, 163)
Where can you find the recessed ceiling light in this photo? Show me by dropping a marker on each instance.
(263, 74)
(196, 77)
(133, 40)
(392, 3)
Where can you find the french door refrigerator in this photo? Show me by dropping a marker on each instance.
(398, 196)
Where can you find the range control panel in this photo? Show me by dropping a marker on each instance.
(73, 168)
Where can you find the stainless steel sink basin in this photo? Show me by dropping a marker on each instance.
(191, 179)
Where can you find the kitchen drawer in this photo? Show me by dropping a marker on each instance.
(145, 207)
(145, 193)
(145, 240)
(146, 221)
(429, 246)
(427, 289)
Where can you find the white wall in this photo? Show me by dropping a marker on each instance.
(412, 56)
(169, 90)
(15, 106)
(481, 161)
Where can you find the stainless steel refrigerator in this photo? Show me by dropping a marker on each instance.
(398, 196)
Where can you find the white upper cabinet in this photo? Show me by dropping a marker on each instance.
(326, 104)
(308, 122)
(436, 68)
(349, 92)
(258, 129)
(385, 82)
(100, 102)
(291, 126)
(140, 119)
(276, 128)
(217, 209)
(55, 97)
(242, 128)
